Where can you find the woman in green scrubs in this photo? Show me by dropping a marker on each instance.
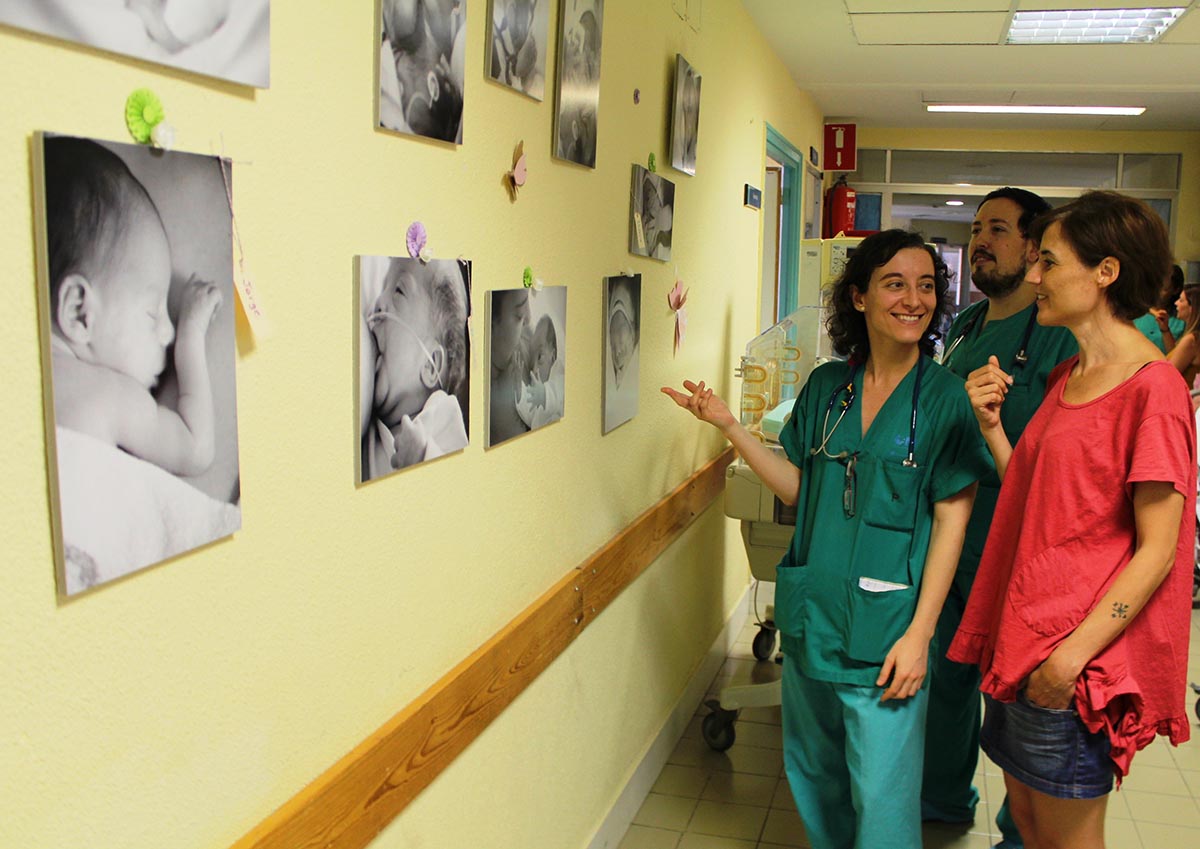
(882, 459)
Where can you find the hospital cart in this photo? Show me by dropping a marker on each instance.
(775, 366)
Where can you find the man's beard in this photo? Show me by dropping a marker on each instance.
(996, 285)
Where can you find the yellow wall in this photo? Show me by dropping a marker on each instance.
(1187, 227)
(180, 706)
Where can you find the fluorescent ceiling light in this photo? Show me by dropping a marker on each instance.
(1092, 26)
(954, 203)
(1012, 109)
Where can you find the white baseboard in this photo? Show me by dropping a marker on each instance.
(618, 820)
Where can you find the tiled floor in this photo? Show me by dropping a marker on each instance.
(739, 799)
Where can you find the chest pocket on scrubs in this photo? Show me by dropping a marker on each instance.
(894, 493)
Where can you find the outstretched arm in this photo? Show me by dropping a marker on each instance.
(987, 387)
(780, 476)
(1183, 354)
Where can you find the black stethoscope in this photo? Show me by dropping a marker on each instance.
(826, 434)
(1022, 355)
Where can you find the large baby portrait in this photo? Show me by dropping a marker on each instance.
(136, 289)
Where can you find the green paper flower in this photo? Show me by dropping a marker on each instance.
(651, 164)
(143, 112)
(527, 277)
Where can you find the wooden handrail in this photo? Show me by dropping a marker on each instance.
(347, 806)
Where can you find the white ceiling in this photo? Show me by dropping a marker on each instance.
(876, 62)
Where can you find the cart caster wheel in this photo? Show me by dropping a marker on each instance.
(717, 728)
(764, 643)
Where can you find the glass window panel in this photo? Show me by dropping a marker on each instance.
(1163, 207)
(1150, 171)
(1005, 168)
(872, 167)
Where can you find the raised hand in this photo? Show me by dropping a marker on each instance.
(987, 388)
(703, 404)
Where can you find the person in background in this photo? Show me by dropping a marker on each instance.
(882, 459)
(1080, 613)
(1003, 325)
(1185, 355)
(1160, 324)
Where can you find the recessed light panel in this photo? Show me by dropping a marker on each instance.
(1092, 26)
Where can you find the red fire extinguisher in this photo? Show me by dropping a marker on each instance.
(839, 209)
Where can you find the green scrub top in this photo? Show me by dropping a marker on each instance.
(968, 345)
(847, 587)
(1148, 324)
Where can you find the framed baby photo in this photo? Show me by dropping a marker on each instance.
(651, 214)
(135, 286)
(516, 45)
(622, 335)
(685, 117)
(578, 106)
(414, 361)
(217, 38)
(527, 360)
(422, 67)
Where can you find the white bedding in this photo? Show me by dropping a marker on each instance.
(120, 514)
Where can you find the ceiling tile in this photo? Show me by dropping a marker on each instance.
(900, 6)
(1185, 31)
(930, 28)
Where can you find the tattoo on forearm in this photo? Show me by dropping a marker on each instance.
(1120, 610)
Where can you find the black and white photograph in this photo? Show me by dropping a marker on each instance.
(528, 360)
(651, 214)
(137, 304)
(516, 48)
(216, 38)
(414, 361)
(622, 334)
(580, 24)
(422, 67)
(685, 117)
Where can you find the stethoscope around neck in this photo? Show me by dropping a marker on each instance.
(1019, 359)
(848, 401)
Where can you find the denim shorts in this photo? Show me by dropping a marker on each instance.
(1049, 750)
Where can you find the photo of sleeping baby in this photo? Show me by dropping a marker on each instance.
(685, 116)
(528, 360)
(136, 293)
(622, 332)
(651, 214)
(516, 48)
(579, 37)
(217, 38)
(414, 359)
(422, 67)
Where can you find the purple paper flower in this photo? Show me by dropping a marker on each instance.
(416, 239)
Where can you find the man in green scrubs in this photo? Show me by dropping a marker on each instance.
(1004, 325)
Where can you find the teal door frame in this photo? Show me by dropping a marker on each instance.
(786, 154)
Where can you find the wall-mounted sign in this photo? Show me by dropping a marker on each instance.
(841, 147)
(752, 197)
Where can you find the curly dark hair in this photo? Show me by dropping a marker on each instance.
(847, 326)
(1102, 224)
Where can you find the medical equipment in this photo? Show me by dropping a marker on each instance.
(775, 366)
(1019, 359)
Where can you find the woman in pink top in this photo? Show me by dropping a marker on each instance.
(1079, 616)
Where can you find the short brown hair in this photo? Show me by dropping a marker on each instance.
(1102, 224)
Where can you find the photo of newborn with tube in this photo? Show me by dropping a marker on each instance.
(414, 360)
(581, 26)
(137, 301)
(651, 214)
(218, 38)
(422, 67)
(685, 117)
(622, 334)
(528, 360)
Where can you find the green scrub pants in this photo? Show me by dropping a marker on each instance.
(952, 741)
(853, 762)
